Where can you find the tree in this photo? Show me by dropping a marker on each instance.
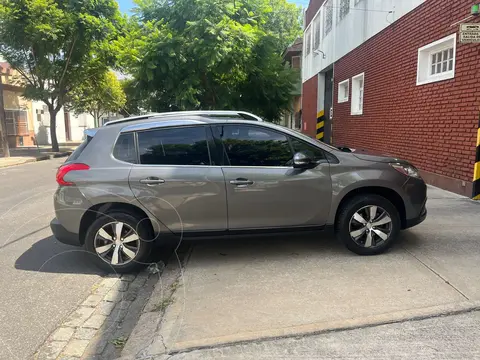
(214, 54)
(98, 96)
(56, 45)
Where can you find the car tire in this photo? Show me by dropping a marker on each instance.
(350, 223)
(130, 254)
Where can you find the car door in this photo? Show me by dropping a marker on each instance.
(263, 188)
(174, 179)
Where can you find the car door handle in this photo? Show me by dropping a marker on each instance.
(241, 181)
(152, 180)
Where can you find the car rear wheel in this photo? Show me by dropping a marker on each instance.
(368, 224)
(120, 242)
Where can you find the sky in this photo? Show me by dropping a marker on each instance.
(126, 5)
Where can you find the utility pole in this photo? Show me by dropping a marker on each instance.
(3, 120)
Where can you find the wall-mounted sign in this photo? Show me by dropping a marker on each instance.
(470, 33)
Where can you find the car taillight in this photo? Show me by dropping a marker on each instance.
(65, 169)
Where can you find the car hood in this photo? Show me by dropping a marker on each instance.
(364, 155)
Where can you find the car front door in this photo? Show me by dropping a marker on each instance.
(264, 190)
(175, 181)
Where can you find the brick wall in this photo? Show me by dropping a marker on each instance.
(309, 106)
(432, 125)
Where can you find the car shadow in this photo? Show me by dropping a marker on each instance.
(49, 255)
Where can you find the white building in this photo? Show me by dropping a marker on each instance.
(69, 126)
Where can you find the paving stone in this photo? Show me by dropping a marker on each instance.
(125, 304)
(75, 347)
(95, 322)
(128, 277)
(85, 333)
(51, 350)
(79, 316)
(114, 296)
(121, 286)
(62, 334)
(104, 308)
(92, 300)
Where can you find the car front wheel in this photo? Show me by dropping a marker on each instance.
(120, 241)
(368, 224)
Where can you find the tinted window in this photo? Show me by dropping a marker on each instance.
(254, 146)
(181, 146)
(125, 149)
(315, 153)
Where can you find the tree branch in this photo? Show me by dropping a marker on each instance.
(67, 62)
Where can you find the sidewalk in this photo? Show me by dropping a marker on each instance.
(249, 290)
(22, 155)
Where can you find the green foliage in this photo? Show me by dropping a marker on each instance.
(58, 44)
(212, 54)
(98, 96)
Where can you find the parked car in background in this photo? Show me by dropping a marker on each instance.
(134, 182)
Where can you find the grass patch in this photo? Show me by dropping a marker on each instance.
(119, 342)
(162, 305)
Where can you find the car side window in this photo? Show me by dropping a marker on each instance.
(124, 149)
(315, 153)
(253, 146)
(177, 146)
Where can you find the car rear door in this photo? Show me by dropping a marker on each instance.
(175, 181)
(263, 188)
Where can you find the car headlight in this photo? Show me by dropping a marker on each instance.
(408, 170)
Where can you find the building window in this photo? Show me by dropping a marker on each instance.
(344, 9)
(442, 62)
(328, 22)
(309, 40)
(296, 62)
(357, 94)
(16, 121)
(343, 89)
(316, 32)
(436, 61)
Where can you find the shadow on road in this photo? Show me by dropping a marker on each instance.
(48, 255)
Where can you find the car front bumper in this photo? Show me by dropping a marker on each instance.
(63, 235)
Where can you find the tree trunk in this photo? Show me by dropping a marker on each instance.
(3, 121)
(53, 129)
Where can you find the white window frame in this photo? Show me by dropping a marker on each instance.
(341, 91)
(424, 60)
(358, 95)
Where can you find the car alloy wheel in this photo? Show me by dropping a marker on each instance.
(370, 226)
(117, 243)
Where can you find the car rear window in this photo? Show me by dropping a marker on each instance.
(74, 156)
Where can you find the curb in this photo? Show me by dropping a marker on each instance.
(38, 158)
(315, 328)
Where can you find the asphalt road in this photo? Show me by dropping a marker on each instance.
(41, 280)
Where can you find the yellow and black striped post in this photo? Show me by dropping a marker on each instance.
(320, 125)
(476, 171)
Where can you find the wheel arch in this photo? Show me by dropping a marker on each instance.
(99, 209)
(390, 194)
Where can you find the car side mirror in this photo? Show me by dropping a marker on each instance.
(302, 160)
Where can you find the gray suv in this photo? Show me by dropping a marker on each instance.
(135, 182)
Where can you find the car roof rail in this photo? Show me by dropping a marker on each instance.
(213, 113)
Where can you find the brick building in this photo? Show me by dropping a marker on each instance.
(402, 84)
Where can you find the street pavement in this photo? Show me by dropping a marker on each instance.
(41, 280)
(451, 337)
(249, 289)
